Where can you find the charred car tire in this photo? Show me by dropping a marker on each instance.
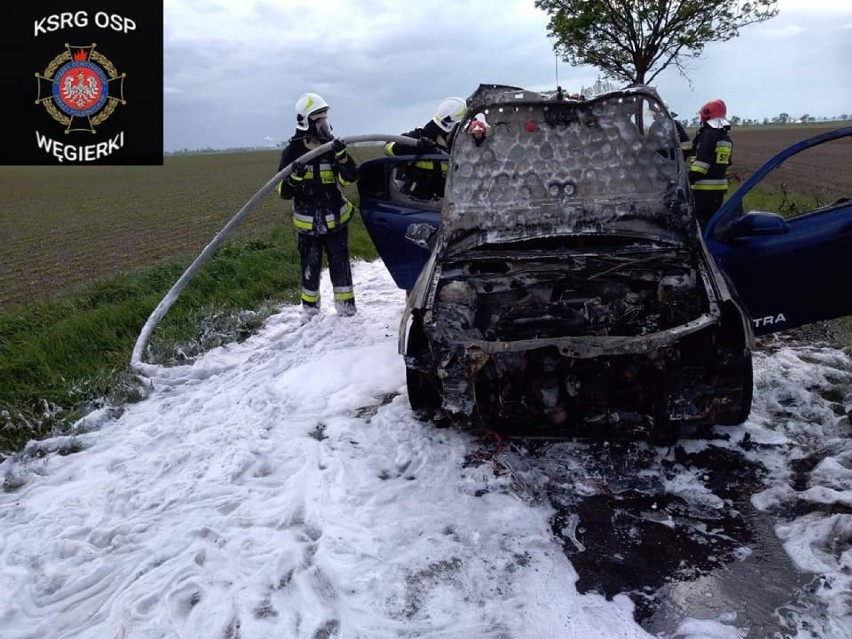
(423, 394)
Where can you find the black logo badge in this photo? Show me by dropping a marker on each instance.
(97, 94)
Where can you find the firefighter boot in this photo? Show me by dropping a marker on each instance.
(308, 312)
(345, 308)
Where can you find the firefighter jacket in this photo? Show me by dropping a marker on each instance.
(319, 206)
(423, 179)
(431, 132)
(712, 150)
(685, 141)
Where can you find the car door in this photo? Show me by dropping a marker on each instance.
(388, 211)
(787, 271)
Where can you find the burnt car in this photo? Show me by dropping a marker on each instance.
(784, 267)
(568, 287)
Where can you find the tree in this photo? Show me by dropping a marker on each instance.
(633, 40)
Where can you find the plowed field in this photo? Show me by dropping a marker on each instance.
(63, 227)
(824, 171)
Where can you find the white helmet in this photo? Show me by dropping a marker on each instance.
(449, 114)
(307, 105)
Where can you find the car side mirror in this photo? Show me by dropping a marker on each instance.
(758, 223)
(420, 234)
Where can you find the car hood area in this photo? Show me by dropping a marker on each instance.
(601, 300)
(555, 166)
(547, 335)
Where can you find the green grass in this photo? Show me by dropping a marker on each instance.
(788, 205)
(62, 357)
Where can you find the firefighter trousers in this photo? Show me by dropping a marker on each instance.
(706, 204)
(335, 244)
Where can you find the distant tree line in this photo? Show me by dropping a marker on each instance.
(208, 149)
(781, 118)
(603, 85)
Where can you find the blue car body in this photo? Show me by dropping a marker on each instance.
(387, 216)
(788, 272)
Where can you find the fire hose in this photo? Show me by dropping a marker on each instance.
(166, 303)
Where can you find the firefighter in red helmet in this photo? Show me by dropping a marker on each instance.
(712, 148)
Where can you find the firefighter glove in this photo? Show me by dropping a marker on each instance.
(338, 146)
(297, 172)
(425, 145)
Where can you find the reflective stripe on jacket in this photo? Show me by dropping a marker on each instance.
(713, 152)
(319, 206)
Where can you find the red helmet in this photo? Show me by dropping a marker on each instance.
(712, 110)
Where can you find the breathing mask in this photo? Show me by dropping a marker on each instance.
(320, 127)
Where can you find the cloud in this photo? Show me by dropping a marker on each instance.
(788, 31)
(234, 70)
(811, 7)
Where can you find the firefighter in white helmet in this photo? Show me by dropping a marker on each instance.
(425, 179)
(321, 212)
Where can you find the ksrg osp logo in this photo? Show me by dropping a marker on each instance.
(80, 88)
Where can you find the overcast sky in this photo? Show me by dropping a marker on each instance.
(233, 70)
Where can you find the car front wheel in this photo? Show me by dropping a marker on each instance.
(423, 388)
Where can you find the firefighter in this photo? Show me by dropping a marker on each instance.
(657, 127)
(712, 148)
(321, 212)
(425, 179)
(683, 136)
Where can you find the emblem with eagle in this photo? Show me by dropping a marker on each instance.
(80, 88)
(82, 91)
